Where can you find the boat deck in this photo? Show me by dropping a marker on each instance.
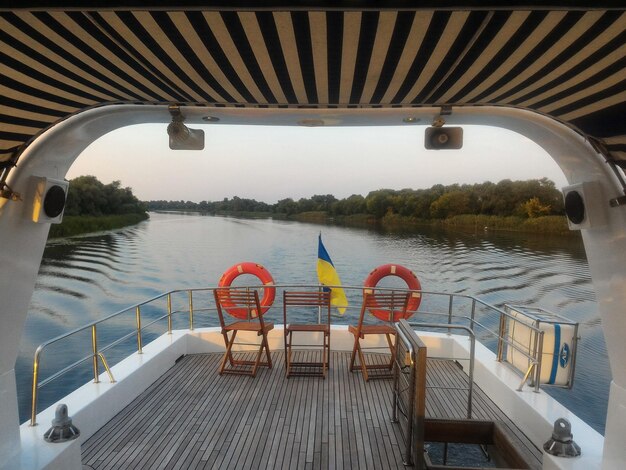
(192, 418)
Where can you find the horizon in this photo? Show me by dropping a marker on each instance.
(363, 195)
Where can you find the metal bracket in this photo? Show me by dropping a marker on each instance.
(7, 193)
(174, 110)
(444, 111)
(5, 167)
(618, 201)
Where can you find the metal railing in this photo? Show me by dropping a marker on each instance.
(409, 391)
(503, 318)
(97, 353)
(470, 374)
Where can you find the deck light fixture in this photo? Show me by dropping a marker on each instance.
(181, 136)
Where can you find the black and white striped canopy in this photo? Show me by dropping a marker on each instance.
(569, 64)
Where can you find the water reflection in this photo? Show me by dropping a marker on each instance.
(83, 279)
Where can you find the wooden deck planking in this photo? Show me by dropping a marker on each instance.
(193, 418)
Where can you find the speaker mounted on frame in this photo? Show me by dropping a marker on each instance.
(585, 207)
(49, 200)
(182, 137)
(443, 138)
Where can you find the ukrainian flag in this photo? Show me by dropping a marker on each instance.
(328, 276)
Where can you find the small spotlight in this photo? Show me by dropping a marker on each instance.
(181, 136)
(443, 138)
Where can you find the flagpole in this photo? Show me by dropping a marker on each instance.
(319, 307)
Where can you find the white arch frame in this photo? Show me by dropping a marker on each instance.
(54, 151)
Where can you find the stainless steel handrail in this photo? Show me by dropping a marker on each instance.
(97, 352)
(470, 374)
(534, 358)
(502, 339)
(408, 409)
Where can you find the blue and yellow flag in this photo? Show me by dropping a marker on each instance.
(327, 275)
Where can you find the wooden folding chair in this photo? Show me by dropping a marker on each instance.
(395, 305)
(226, 299)
(307, 303)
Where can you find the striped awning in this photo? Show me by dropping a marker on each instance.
(569, 64)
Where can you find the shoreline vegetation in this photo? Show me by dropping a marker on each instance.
(92, 206)
(81, 224)
(553, 224)
(532, 206)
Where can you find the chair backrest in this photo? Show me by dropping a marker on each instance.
(390, 305)
(233, 299)
(318, 298)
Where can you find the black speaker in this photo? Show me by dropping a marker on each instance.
(585, 206)
(54, 201)
(575, 207)
(443, 138)
(49, 200)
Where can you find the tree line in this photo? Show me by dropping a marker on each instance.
(527, 199)
(87, 196)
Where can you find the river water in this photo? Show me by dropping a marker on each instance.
(82, 279)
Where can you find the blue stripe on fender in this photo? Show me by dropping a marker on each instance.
(557, 350)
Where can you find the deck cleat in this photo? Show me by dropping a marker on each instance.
(562, 444)
(62, 429)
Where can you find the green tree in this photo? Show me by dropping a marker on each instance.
(286, 206)
(378, 203)
(534, 208)
(450, 204)
(88, 196)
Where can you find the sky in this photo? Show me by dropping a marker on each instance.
(272, 163)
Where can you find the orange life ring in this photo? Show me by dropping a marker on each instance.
(269, 291)
(407, 276)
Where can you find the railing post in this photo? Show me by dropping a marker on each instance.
(320, 289)
(191, 310)
(418, 408)
(473, 314)
(396, 382)
(138, 318)
(538, 358)
(33, 405)
(470, 392)
(169, 314)
(94, 351)
(450, 311)
(501, 331)
(106, 367)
